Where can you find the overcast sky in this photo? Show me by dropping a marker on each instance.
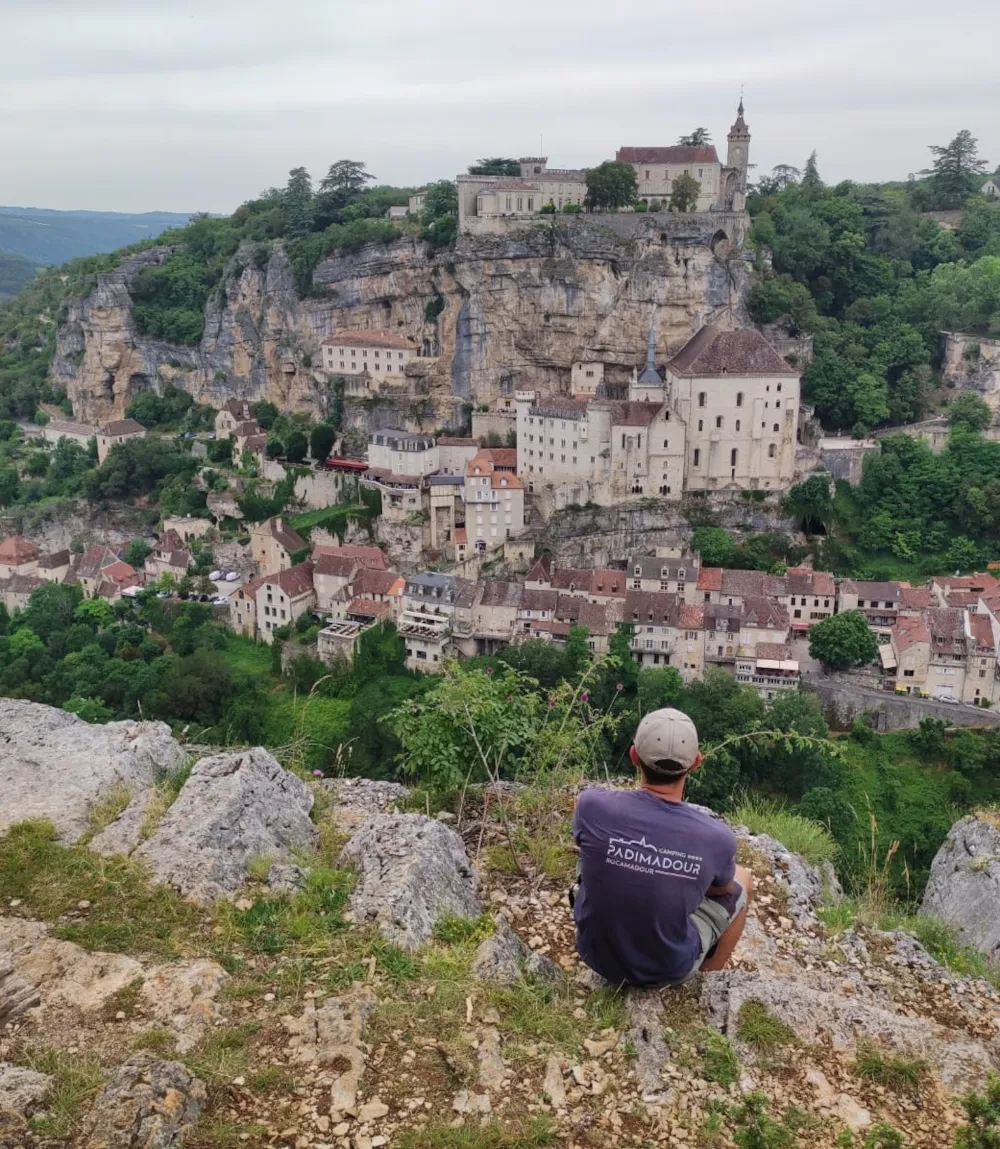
(135, 105)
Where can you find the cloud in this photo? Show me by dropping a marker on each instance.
(141, 104)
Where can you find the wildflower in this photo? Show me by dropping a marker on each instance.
(489, 670)
(585, 697)
(552, 703)
(317, 773)
(619, 686)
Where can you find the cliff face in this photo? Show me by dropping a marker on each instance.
(516, 309)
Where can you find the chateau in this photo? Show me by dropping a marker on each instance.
(723, 186)
(722, 416)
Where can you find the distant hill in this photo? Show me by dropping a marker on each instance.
(15, 272)
(54, 237)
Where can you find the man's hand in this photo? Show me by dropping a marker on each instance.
(719, 891)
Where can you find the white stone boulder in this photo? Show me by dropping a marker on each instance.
(412, 871)
(232, 809)
(55, 766)
(963, 889)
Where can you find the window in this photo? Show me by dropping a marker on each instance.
(777, 402)
(666, 444)
(647, 173)
(776, 428)
(520, 203)
(697, 457)
(778, 388)
(718, 420)
(739, 398)
(531, 203)
(772, 451)
(701, 398)
(737, 424)
(701, 424)
(732, 457)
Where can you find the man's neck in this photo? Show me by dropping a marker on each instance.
(668, 791)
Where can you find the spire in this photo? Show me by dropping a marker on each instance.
(650, 377)
(739, 129)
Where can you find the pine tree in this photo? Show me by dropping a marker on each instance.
(297, 203)
(956, 170)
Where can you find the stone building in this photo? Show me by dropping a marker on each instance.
(494, 197)
(117, 431)
(723, 186)
(272, 544)
(18, 556)
(282, 597)
(381, 354)
(724, 416)
(231, 415)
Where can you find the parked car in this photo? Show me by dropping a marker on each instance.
(215, 576)
(231, 576)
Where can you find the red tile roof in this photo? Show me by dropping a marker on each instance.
(539, 599)
(123, 427)
(710, 578)
(650, 606)
(982, 631)
(370, 339)
(282, 533)
(674, 154)
(712, 352)
(634, 413)
(17, 550)
(295, 581)
(690, 616)
(337, 566)
(775, 650)
(910, 630)
(914, 597)
(369, 608)
(804, 580)
(370, 582)
(373, 557)
(540, 570)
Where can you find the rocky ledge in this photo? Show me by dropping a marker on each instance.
(388, 983)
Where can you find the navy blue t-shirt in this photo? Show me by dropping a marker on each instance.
(645, 865)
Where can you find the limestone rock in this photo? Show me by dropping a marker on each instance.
(232, 809)
(552, 1085)
(332, 1035)
(56, 974)
(491, 1065)
(63, 973)
(147, 1104)
(357, 798)
(183, 997)
(124, 834)
(21, 1090)
(55, 766)
(412, 870)
(817, 1014)
(466, 1102)
(807, 886)
(286, 878)
(17, 996)
(646, 1034)
(964, 883)
(503, 958)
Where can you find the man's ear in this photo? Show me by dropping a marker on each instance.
(696, 764)
(634, 757)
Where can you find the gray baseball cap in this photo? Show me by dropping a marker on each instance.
(667, 734)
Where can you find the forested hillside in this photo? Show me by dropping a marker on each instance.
(54, 237)
(15, 272)
(874, 279)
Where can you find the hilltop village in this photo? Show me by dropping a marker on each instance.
(674, 396)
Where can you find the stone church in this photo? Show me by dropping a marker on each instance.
(723, 187)
(722, 415)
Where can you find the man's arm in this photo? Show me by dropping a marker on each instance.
(723, 885)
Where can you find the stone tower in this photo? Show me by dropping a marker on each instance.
(734, 174)
(649, 385)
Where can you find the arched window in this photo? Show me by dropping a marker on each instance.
(701, 398)
(732, 457)
(772, 451)
(739, 398)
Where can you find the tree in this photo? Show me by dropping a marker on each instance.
(343, 183)
(954, 174)
(321, 441)
(297, 203)
(696, 139)
(441, 213)
(495, 166)
(810, 176)
(785, 174)
(715, 546)
(969, 412)
(275, 449)
(685, 192)
(265, 413)
(843, 640)
(296, 446)
(136, 553)
(810, 504)
(611, 185)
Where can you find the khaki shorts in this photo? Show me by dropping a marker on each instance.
(711, 919)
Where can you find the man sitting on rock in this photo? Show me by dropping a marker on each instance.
(660, 895)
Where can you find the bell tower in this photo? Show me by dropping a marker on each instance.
(737, 164)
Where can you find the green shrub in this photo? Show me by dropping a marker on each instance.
(798, 834)
(760, 1029)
